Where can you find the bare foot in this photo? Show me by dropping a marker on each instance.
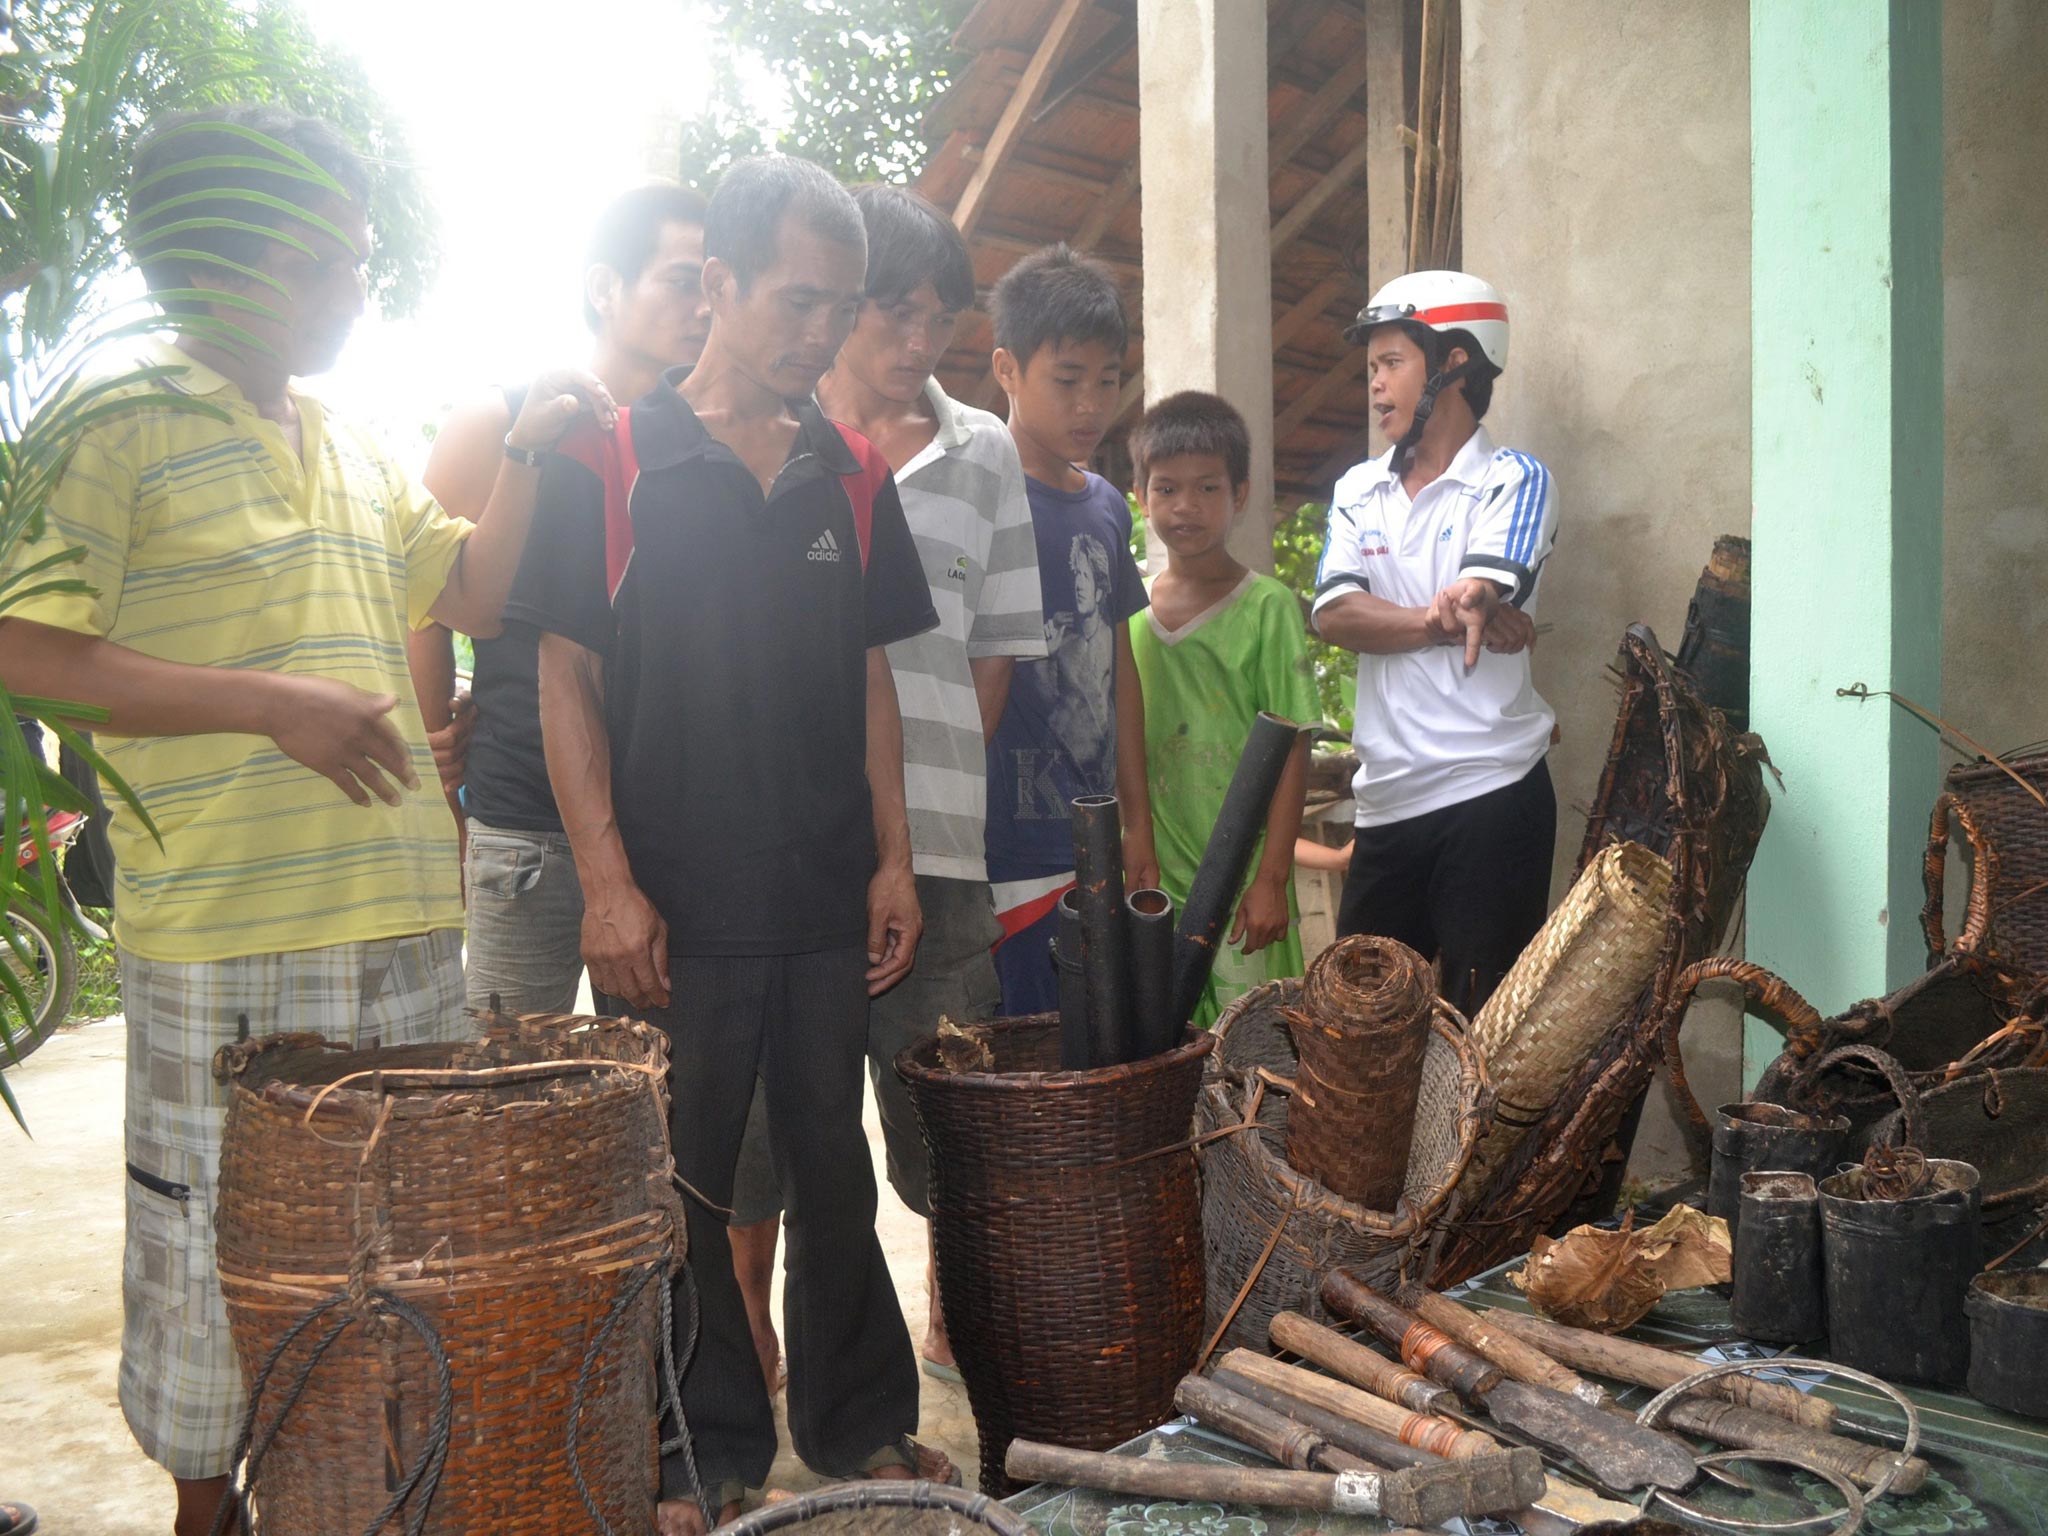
(682, 1517)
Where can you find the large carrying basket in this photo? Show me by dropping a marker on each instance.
(1066, 1225)
(458, 1252)
(1680, 782)
(2006, 828)
(1266, 1222)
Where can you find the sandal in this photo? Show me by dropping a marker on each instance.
(941, 1370)
(926, 1462)
(17, 1519)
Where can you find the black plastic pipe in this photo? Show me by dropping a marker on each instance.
(1149, 916)
(1212, 896)
(1073, 994)
(1105, 952)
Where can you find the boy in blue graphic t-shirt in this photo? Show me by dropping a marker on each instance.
(1075, 722)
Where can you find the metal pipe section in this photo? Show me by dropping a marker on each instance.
(1212, 896)
(1105, 953)
(1073, 995)
(1149, 915)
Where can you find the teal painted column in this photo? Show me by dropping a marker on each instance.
(1845, 315)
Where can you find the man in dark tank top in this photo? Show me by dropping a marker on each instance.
(643, 299)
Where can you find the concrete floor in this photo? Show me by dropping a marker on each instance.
(63, 1444)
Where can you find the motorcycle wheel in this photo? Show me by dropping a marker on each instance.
(40, 956)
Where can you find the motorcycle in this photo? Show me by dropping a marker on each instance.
(39, 951)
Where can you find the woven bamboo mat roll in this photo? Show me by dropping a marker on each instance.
(1580, 976)
(1361, 1030)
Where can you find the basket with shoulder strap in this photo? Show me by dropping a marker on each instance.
(445, 1268)
(1684, 785)
(1998, 811)
(1270, 1233)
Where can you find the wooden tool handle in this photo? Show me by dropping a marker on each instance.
(1733, 1424)
(1290, 1444)
(1376, 1446)
(1440, 1437)
(1517, 1357)
(1357, 1364)
(1030, 1462)
(1429, 1350)
(1647, 1366)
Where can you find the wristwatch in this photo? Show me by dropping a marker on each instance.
(532, 458)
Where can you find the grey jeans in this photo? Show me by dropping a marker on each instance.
(955, 977)
(525, 920)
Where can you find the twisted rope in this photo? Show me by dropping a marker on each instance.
(424, 1477)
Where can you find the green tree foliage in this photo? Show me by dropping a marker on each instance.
(1297, 552)
(188, 53)
(859, 76)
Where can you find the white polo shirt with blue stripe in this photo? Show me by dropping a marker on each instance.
(1429, 732)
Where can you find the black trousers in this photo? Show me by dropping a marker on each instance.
(799, 1022)
(1467, 885)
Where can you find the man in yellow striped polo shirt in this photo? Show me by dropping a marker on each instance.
(254, 580)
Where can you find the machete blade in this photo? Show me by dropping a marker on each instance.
(1620, 1453)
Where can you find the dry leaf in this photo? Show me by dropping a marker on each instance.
(1591, 1278)
(964, 1050)
(1689, 1248)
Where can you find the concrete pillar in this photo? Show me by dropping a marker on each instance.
(1846, 400)
(1208, 267)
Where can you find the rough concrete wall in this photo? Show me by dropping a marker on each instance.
(1995, 355)
(1606, 191)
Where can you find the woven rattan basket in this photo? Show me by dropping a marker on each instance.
(1360, 1034)
(882, 1509)
(500, 1206)
(1968, 1014)
(1578, 979)
(1681, 783)
(2006, 828)
(1066, 1223)
(1267, 1223)
(1995, 1121)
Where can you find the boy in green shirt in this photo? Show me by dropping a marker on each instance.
(1218, 644)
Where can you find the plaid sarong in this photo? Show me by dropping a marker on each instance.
(180, 1387)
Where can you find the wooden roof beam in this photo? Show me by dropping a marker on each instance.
(1328, 185)
(1284, 142)
(1309, 308)
(1016, 114)
(1304, 405)
(1124, 267)
(1115, 43)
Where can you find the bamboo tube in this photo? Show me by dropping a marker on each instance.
(1424, 1432)
(1519, 1358)
(1429, 81)
(1647, 1366)
(1355, 1363)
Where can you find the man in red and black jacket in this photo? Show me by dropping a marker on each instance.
(715, 583)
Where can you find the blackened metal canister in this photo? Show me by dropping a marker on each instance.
(1780, 1294)
(2009, 1341)
(1897, 1272)
(1754, 1136)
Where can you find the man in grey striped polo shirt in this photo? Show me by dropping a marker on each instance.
(963, 495)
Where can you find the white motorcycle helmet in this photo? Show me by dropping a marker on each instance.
(1463, 310)
(1445, 302)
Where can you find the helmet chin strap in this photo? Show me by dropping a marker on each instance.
(1404, 450)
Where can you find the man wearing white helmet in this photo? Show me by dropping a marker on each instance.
(1430, 573)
